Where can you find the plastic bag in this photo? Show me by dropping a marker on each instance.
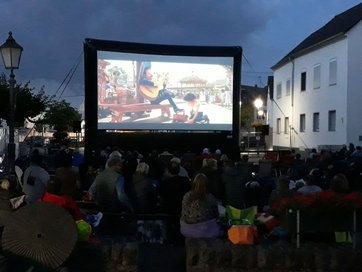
(242, 235)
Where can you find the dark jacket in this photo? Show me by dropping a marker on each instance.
(172, 190)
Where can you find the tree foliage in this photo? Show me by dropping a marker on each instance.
(27, 104)
(61, 115)
(37, 108)
(246, 116)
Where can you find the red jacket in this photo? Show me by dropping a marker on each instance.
(65, 202)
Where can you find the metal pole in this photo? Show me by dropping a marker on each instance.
(11, 146)
(354, 229)
(298, 228)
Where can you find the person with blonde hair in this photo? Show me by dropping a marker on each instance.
(215, 185)
(199, 211)
(209, 162)
(143, 193)
(142, 168)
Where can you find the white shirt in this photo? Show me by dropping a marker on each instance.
(35, 181)
(309, 189)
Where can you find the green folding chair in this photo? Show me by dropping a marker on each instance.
(241, 216)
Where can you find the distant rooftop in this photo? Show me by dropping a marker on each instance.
(249, 93)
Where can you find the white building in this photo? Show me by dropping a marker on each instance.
(317, 90)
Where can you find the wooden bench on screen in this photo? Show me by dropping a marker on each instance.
(119, 110)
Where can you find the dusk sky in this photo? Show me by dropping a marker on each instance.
(52, 32)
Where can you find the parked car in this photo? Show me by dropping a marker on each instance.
(36, 141)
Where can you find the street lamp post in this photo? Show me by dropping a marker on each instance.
(258, 103)
(11, 54)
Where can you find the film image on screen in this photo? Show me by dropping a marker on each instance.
(163, 92)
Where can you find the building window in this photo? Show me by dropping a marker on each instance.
(316, 121)
(286, 125)
(279, 90)
(278, 125)
(287, 87)
(332, 120)
(317, 76)
(303, 81)
(333, 72)
(302, 123)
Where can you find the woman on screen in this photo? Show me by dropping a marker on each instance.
(193, 104)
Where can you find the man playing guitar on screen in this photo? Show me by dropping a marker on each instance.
(153, 91)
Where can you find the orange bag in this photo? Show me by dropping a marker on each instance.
(242, 234)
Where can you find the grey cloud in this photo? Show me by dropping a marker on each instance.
(52, 32)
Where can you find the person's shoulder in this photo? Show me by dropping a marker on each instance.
(28, 169)
(43, 170)
(317, 188)
(211, 197)
(187, 195)
(184, 179)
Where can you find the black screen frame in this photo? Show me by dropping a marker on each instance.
(93, 134)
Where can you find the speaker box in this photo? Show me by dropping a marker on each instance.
(77, 126)
(265, 130)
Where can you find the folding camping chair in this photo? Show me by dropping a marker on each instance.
(241, 216)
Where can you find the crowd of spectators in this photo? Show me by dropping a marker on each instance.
(191, 185)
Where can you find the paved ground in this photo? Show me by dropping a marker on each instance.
(254, 156)
(162, 258)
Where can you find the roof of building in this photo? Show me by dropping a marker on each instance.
(334, 29)
(249, 93)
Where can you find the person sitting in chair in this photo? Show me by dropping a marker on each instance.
(152, 90)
